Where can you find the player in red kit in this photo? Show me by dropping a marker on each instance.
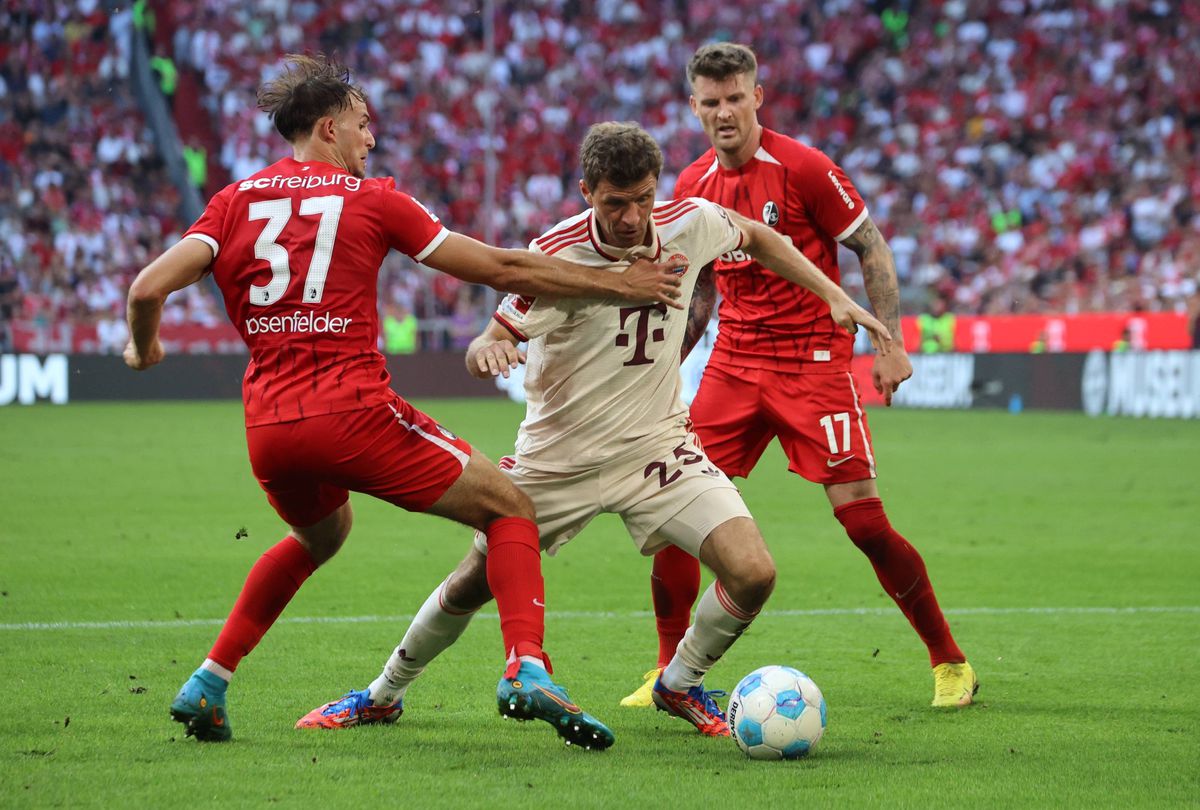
(779, 368)
(295, 250)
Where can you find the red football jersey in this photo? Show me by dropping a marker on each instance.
(767, 322)
(297, 249)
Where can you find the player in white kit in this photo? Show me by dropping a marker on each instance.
(605, 429)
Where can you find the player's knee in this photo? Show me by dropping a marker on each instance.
(752, 582)
(761, 582)
(323, 539)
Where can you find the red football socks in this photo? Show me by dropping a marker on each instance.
(902, 574)
(270, 585)
(674, 584)
(514, 574)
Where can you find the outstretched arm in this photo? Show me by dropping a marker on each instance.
(493, 353)
(704, 297)
(879, 277)
(182, 265)
(527, 273)
(777, 253)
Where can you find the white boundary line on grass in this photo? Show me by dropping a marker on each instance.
(583, 614)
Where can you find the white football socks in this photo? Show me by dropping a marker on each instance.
(717, 624)
(435, 627)
(216, 669)
(535, 660)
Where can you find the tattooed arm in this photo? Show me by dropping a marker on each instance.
(703, 299)
(879, 277)
(879, 273)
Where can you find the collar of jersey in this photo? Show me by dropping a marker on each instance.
(616, 254)
(761, 155)
(322, 165)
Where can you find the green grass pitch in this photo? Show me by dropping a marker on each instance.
(1063, 548)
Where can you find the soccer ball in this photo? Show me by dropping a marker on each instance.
(776, 713)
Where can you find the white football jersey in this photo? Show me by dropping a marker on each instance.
(602, 378)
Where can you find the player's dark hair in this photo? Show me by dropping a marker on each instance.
(309, 88)
(720, 60)
(620, 152)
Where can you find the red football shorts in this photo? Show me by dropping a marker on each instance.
(817, 417)
(392, 451)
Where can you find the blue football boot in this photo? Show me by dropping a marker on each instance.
(531, 695)
(200, 706)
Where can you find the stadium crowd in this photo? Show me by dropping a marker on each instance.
(84, 199)
(1020, 156)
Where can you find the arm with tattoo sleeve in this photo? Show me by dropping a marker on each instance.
(879, 278)
(879, 273)
(700, 312)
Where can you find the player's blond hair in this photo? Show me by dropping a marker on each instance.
(620, 152)
(309, 88)
(721, 60)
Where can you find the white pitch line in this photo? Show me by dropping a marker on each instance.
(582, 614)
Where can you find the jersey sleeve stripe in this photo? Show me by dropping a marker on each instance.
(544, 242)
(667, 220)
(433, 245)
(559, 242)
(672, 205)
(673, 208)
(206, 239)
(555, 234)
(512, 329)
(853, 226)
(583, 237)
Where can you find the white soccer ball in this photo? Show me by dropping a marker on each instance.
(776, 712)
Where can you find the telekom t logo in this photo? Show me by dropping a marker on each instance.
(642, 333)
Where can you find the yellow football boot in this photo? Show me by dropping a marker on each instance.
(954, 685)
(643, 698)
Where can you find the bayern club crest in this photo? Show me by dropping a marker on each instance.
(771, 214)
(680, 259)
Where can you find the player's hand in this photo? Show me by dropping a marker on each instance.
(850, 316)
(891, 369)
(496, 360)
(647, 281)
(140, 362)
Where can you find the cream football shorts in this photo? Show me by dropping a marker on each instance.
(673, 497)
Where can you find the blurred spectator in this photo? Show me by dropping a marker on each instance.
(196, 158)
(168, 75)
(399, 330)
(936, 327)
